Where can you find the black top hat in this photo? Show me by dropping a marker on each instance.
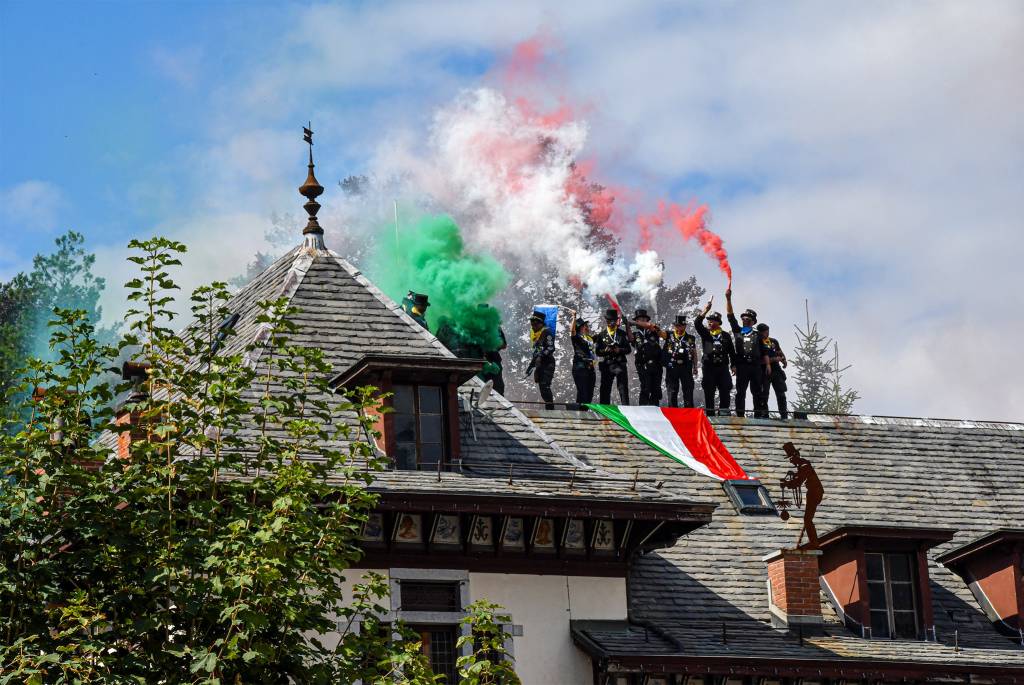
(641, 314)
(611, 315)
(582, 322)
(680, 319)
(420, 300)
(749, 312)
(538, 316)
(762, 327)
(715, 316)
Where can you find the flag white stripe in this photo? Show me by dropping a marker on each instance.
(651, 423)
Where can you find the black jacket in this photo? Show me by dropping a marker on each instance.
(679, 351)
(544, 349)
(583, 355)
(647, 344)
(750, 349)
(718, 349)
(612, 349)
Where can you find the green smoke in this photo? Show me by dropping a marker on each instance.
(429, 257)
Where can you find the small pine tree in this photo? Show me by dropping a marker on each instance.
(819, 388)
(838, 400)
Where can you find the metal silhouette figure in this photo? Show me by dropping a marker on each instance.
(804, 476)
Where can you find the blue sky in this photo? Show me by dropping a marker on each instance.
(96, 96)
(866, 155)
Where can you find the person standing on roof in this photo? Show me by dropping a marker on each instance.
(543, 362)
(419, 309)
(680, 356)
(775, 377)
(493, 371)
(751, 360)
(583, 360)
(611, 347)
(646, 341)
(719, 355)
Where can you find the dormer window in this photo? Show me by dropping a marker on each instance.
(992, 566)
(892, 594)
(419, 422)
(876, 578)
(420, 426)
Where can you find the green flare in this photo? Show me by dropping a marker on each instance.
(429, 257)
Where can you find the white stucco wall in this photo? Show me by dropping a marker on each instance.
(352, 577)
(543, 606)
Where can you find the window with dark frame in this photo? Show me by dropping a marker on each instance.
(425, 595)
(419, 426)
(438, 644)
(749, 497)
(892, 595)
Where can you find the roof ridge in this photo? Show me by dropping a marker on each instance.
(914, 421)
(302, 260)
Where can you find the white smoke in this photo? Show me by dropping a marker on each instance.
(507, 178)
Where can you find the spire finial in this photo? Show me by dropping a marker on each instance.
(311, 189)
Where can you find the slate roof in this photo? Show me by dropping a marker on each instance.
(915, 472)
(343, 314)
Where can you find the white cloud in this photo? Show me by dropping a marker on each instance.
(31, 206)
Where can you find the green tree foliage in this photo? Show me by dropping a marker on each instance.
(819, 388)
(489, 662)
(213, 551)
(63, 279)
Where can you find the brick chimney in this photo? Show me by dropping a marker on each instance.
(126, 414)
(793, 587)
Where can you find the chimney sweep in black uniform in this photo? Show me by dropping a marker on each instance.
(680, 355)
(493, 370)
(611, 348)
(646, 341)
(543, 363)
(719, 355)
(583, 360)
(775, 376)
(419, 309)
(751, 360)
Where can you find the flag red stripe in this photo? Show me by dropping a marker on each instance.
(700, 438)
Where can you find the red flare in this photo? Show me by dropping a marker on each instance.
(692, 225)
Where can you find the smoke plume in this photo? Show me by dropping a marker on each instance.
(430, 257)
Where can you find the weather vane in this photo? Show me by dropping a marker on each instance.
(307, 135)
(804, 476)
(311, 190)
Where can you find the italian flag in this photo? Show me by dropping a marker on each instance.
(685, 435)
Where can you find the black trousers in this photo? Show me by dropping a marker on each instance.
(777, 382)
(544, 375)
(585, 379)
(676, 376)
(752, 376)
(619, 373)
(716, 378)
(649, 374)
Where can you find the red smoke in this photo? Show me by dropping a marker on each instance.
(692, 225)
(526, 79)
